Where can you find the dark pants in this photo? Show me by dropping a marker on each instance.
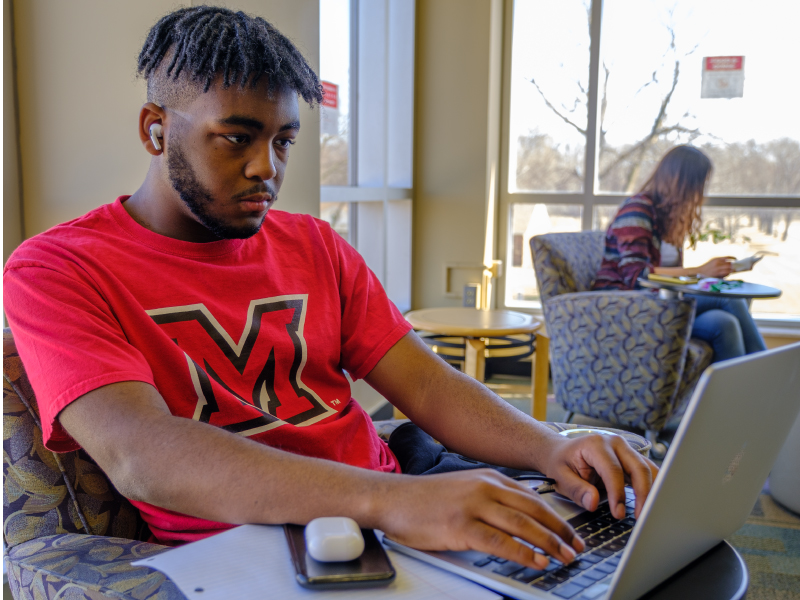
(419, 454)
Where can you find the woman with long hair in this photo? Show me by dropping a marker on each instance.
(647, 236)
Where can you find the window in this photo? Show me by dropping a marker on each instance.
(549, 70)
(528, 220)
(334, 70)
(750, 230)
(599, 91)
(367, 60)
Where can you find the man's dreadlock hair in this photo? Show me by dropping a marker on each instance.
(205, 42)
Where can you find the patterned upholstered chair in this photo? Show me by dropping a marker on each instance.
(69, 533)
(624, 357)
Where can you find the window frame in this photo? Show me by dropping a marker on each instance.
(371, 208)
(589, 199)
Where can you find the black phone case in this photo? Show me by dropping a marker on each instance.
(371, 569)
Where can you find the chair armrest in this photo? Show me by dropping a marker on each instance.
(97, 565)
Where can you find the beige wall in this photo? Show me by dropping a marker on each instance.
(79, 100)
(79, 103)
(12, 200)
(456, 135)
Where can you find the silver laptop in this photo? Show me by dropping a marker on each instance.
(735, 425)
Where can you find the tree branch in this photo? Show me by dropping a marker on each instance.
(603, 105)
(555, 110)
(644, 142)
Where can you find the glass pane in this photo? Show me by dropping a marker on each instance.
(338, 215)
(602, 216)
(549, 81)
(528, 220)
(652, 82)
(750, 230)
(334, 70)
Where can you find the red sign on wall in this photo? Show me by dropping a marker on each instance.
(724, 63)
(331, 91)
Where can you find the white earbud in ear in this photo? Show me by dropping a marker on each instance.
(155, 133)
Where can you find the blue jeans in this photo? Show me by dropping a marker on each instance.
(726, 324)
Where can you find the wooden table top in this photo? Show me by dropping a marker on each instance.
(472, 322)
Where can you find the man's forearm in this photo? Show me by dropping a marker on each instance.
(460, 412)
(476, 422)
(197, 469)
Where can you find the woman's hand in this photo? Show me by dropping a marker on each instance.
(717, 267)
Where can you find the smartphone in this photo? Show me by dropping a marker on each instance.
(371, 569)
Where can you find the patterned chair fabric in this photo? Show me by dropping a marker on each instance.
(69, 533)
(58, 507)
(568, 262)
(47, 493)
(86, 567)
(624, 357)
(698, 357)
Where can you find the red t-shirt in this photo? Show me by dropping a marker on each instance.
(248, 335)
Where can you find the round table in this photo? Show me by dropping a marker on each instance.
(746, 290)
(475, 326)
(720, 574)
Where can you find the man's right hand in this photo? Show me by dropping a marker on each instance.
(476, 510)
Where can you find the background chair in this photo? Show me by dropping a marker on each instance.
(624, 357)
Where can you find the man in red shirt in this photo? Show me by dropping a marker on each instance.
(193, 341)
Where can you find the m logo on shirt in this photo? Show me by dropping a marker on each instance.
(262, 371)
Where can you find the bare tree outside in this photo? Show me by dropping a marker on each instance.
(334, 156)
(621, 168)
(750, 167)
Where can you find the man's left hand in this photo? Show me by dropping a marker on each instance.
(579, 464)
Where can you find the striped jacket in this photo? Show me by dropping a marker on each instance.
(633, 246)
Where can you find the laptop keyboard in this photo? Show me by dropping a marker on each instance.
(605, 539)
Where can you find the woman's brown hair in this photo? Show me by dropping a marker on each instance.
(677, 189)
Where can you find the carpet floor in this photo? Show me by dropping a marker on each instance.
(769, 542)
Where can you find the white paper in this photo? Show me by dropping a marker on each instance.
(252, 561)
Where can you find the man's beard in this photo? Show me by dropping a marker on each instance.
(199, 199)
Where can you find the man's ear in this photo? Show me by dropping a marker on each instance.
(151, 138)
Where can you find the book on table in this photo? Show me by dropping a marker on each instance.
(682, 280)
